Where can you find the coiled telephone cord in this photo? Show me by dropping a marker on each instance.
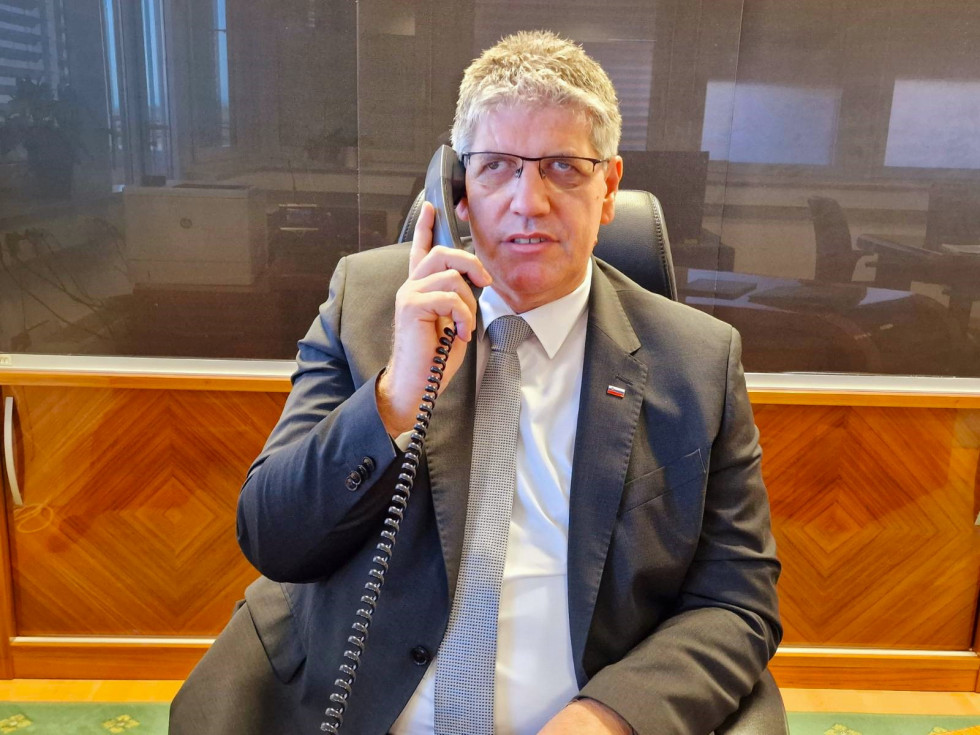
(396, 512)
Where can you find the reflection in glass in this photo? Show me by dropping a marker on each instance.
(157, 104)
(629, 65)
(771, 124)
(934, 124)
(805, 151)
(32, 44)
(112, 69)
(214, 127)
(221, 67)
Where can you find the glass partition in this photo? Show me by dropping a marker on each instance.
(180, 178)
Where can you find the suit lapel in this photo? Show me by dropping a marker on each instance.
(603, 441)
(448, 449)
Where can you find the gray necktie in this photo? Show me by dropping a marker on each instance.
(468, 654)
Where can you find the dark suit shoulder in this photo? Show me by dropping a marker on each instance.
(378, 266)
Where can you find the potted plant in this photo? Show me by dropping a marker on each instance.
(48, 127)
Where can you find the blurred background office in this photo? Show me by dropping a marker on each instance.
(178, 179)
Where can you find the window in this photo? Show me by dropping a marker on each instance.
(210, 76)
(31, 44)
(770, 123)
(934, 124)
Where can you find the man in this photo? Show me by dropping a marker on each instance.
(638, 587)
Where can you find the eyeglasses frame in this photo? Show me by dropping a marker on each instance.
(463, 158)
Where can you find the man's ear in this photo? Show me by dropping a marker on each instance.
(614, 174)
(463, 210)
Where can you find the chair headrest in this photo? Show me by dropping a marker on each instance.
(635, 242)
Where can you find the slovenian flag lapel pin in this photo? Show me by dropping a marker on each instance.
(615, 390)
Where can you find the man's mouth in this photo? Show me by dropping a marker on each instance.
(528, 240)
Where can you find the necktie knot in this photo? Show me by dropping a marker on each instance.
(507, 332)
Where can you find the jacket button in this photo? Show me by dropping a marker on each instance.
(353, 481)
(362, 471)
(368, 464)
(421, 655)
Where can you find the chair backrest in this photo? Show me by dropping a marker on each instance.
(835, 256)
(954, 215)
(635, 242)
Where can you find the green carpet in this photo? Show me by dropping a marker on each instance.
(99, 718)
(47, 718)
(846, 723)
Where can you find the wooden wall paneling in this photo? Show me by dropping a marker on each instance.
(131, 483)
(904, 672)
(6, 585)
(873, 513)
(129, 516)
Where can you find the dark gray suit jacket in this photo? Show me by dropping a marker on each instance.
(671, 563)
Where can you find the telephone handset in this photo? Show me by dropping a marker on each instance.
(444, 187)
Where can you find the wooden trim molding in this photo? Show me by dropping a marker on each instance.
(57, 659)
(886, 399)
(281, 384)
(930, 671)
(97, 658)
(146, 381)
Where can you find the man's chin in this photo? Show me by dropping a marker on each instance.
(526, 290)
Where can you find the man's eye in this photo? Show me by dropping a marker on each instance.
(561, 165)
(499, 165)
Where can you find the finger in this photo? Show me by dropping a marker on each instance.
(450, 280)
(443, 323)
(441, 258)
(422, 237)
(447, 304)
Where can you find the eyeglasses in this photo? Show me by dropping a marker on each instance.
(496, 170)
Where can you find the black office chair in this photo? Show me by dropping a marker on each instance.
(836, 259)
(636, 243)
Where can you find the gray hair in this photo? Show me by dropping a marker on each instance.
(538, 67)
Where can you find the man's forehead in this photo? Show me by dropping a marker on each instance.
(515, 123)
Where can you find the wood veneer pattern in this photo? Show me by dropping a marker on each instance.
(129, 516)
(873, 512)
(129, 527)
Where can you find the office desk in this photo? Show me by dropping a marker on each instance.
(795, 325)
(902, 260)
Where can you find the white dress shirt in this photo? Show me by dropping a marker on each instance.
(535, 674)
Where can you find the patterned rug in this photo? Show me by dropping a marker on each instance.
(99, 718)
(47, 718)
(846, 723)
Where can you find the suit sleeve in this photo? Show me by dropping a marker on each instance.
(297, 519)
(691, 672)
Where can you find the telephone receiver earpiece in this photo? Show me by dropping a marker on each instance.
(445, 185)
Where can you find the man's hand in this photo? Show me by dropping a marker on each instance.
(586, 717)
(434, 296)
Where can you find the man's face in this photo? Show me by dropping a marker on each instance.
(534, 237)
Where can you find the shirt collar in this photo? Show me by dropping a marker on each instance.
(551, 323)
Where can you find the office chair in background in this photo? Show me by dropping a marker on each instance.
(836, 259)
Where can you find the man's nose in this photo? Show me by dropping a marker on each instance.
(530, 193)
